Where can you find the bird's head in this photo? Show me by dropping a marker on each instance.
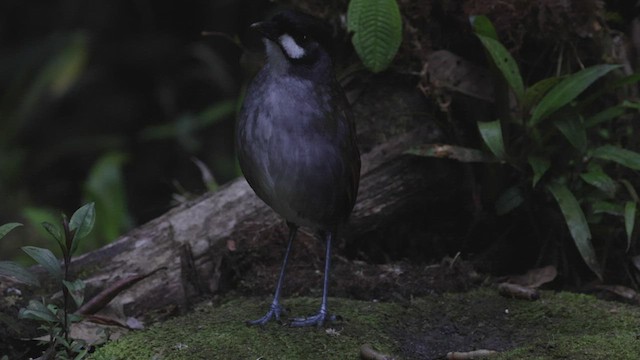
(300, 38)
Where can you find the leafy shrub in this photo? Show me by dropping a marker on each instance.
(54, 320)
(556, 143)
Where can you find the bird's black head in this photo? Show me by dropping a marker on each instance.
(300, 37)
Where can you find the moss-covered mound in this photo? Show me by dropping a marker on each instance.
(558, 326)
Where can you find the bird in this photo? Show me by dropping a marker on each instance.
(296, 141)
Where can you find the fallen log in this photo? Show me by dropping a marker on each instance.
(191, 239)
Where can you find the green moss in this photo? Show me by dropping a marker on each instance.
(558, 326)
(575, 326)
(220, 332)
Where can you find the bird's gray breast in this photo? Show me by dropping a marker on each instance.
(289, 147)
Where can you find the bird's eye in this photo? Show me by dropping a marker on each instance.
(304, 38)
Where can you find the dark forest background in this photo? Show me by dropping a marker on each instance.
(128, 104)
(113, 102)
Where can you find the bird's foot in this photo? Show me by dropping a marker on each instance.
(319, 320)
(274, 312)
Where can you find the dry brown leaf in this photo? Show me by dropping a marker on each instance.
(518, 291)
(622, 291)
(535, 278)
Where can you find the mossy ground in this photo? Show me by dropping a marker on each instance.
(558, 326)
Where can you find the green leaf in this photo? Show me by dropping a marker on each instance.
(577, 223)
(596, 177)
(4, 229)
(573, 129)
(491, 133)
(483, 26)
(37, 311)
(629, 220)
(567, 90)
(635, 105)
(18, 272)
(535, 93)
(82, 222)
(55, 232)
(45, 258)
(604, 115)
(105, 186)
(607, 207)
(505, 63)
(539, 166)
(377, 31)
(630, 189)
(624, 157)
(76, 289)
(509, 200)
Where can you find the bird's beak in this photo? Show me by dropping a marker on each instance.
(267, 29)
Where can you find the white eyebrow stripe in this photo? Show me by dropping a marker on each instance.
(290, 46)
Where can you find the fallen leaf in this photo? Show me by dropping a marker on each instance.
(535, 278)
(518, 291)
(622, 291)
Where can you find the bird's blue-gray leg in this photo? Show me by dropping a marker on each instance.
(322, 316)
(275, 310)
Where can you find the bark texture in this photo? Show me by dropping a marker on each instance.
(190, 241)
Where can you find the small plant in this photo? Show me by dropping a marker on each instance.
(557, 145)
(560, 144)
(52, 318)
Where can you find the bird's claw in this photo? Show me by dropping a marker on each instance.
(274, 312)
(319, 320)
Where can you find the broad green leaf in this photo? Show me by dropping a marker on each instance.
(76, 289)
(534, 93)
(377, 31)
(105, 186)
(539, 166)
(573, 129)
(630, 189)
(82, 222)
(607, 207)
(4, 229)
(604, 115)
(624, 157)
(629, 220)
(45, 258)
(595, 176)
(631, 104)
(509, 200)
(491, 133)
(483, 26)
(577, 223)
(18, 272)
(37, 311)
(505, 63)
(567, 90)
(55, 232)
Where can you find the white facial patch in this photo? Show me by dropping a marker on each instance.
(290, 46)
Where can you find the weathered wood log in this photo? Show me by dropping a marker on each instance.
(190, 240)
